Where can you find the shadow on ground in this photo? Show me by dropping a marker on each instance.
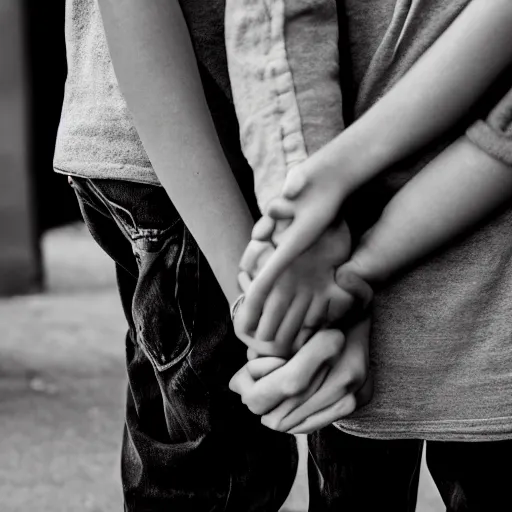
(62, 386)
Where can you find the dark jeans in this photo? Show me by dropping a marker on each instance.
(189, 444)
(366, 475)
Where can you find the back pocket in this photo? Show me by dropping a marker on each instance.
(166, 297)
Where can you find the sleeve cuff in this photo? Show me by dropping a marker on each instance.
(494, 135)
(495, 143)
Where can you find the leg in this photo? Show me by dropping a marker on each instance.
(188, 442)
(353, 474)
(472, 477)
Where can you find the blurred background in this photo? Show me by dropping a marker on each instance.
(61, 327)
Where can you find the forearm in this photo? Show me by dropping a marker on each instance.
(157, 73)
(432, 96)
(458, 189)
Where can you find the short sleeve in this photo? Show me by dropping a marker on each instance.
(494, 134)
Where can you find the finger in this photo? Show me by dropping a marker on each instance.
(274, 311)
(244, 281)
(346, 377)
(241, 381)
(330, 392)
(262, 366)
(365, 394)
(358, 337)
(254, 251)
(295, 182)
(339, 304)
(263, 229)
(281, 227)
(249, 315)
(303, 336)
(281, 209)
(274, 418)
(293, 321)
(251, 354)
(300, 235)
(245, 320)
(317, 313)
(334, 412)
(296, 375)
(262, 348)
(354, 285)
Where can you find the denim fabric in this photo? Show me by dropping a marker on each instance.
(189, 444)
(355, 474)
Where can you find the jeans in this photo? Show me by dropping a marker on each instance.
(355, 474)
(188, 444)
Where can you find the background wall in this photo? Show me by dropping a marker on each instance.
(32, 197)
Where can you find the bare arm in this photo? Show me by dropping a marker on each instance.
(431, 97)
(458, 189)
(157, 73)
(434, 94)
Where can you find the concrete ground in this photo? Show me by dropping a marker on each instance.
(62, 389)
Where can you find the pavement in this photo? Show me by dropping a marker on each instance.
(62, 386)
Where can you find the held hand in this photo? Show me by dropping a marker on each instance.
(307, 296)
(304, 297)
(326, 380)
(312, 197)
(263, 383)
(346, 387)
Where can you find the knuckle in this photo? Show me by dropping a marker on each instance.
(353, 380)
(240, 330)
(347, 405)
(334, 342)
(255, 409)
(237, 327)
(233, 384)
(292, 385)
(271, 422)
(351, 404)
(359, 375)
(253, 405)
(339, 305)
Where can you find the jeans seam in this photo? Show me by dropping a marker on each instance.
(186, 350)
(176, 290)
(122, 225)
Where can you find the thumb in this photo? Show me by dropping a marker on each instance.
(348, 280)
(295, 182)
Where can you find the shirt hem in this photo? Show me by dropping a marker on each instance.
(476, 430)
(495, 144)
(110, 172)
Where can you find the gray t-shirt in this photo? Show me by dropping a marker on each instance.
(96, 137)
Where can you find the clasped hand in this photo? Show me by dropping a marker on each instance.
(303, 372)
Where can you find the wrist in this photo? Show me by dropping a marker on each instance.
(361, 153)
(368, 263)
